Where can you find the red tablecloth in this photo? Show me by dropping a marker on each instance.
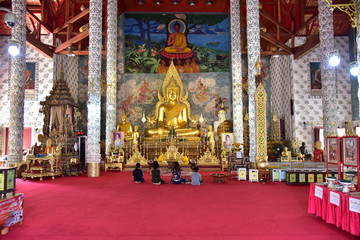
(340, 215)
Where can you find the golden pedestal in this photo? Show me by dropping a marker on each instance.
(93, 169)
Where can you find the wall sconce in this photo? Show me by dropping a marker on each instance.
(143, 119)
(354, 68)
(14, 47)
(334, 58)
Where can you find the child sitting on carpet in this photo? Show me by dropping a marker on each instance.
(138, 174)
(155, 174)
(176, 174)
(196, 178)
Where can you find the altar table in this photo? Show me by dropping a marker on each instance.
(333, 207)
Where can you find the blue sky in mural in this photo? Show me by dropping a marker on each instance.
(217, 35)
(146, 37)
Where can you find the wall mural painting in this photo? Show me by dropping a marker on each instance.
(137, 95)
(196, 43)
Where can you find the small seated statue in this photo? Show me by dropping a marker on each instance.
(318, 152)
(221, 116)
(286, 155)
(171, 113)
(125, 127)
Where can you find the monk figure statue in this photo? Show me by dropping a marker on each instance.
(125, 127)
(173, 110)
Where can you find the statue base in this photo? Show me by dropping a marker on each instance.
(93, 169)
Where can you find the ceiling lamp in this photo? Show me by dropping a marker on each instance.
(140, 2)
(209, 2)
(354, 69)
(334, 58)
(158, 2)
(192, 2)
(175, 2)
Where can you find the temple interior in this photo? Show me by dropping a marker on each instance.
(214, 84)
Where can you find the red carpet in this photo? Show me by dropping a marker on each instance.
(113, 207)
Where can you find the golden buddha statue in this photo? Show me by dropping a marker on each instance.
(172, 110)
(286, 155)
(125, 127)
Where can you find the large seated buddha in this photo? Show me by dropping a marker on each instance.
(173, 110)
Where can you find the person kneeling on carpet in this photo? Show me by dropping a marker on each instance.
(138, 174)
(196, 178)
(155, 174)
(176, 174)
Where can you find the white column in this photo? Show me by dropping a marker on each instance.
(17, 85)
(236, 70)
(94, 102)
(326, 33)
(253, 51)
(111, 74)
(358, 51)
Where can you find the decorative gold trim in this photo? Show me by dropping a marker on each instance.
(261, 131)
(351, 9)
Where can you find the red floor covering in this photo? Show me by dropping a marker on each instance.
(113, 207)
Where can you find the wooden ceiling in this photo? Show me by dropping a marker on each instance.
(280, 20)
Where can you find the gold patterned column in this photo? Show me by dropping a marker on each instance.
(326, 34)
(111, 74)
(16, 85)
(253, 49)
(261, 130)
(94, 102)
(236, 70)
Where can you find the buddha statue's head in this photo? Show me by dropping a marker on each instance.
(123, 119)
(172, 92)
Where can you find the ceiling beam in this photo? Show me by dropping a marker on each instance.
(268, 17)
(72, 41)
(308, 46)
(44, 25)
(272, 40)
(305, 24)
(38, 45)
(78, 52)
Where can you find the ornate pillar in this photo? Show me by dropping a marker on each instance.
(261, 129)
(236, 70)
(253, 51)
(94, 102)
(17, 85)
(326, 33)
(111, 74)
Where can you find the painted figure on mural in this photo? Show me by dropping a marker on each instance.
(177, 41)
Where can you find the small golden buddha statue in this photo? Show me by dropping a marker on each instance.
(125, 127)
(286, 155)
(173, 110)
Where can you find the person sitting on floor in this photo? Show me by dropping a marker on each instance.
(176, 174)
(196, 178)
(138, 174)
(155, 174)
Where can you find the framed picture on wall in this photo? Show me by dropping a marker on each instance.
(227, 140)
(31, 78)
(118, 138)
(350, 151)
(332, 149)
(315, 79)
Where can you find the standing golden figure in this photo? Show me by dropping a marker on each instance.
(125, 127)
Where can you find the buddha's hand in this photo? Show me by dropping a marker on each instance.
(161, 130)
